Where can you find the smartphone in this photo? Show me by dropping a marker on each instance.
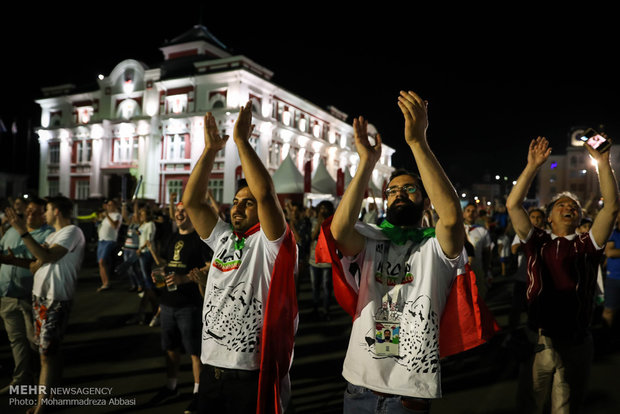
(595, 140)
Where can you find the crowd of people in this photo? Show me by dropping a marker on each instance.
(223, 285)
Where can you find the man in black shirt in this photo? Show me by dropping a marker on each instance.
(181, 307)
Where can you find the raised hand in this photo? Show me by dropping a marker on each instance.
(414, 110)
(365, 150)
(213, 140)
(15, 221)
(597, 155)
(539, 152)
(243, 125)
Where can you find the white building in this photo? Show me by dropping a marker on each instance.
(148, 123)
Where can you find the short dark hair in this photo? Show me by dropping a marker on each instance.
(328, 205)
(63, 204)
(241, 183)
(38, 201)
(148, 211)
(539, 209)
(403, 171)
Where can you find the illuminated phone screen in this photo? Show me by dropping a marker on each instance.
(593, 139)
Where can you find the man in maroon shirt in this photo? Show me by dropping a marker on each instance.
(562, 270)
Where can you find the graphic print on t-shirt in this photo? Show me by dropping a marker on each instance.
(227, 261)
(233, 318)
(417, 340)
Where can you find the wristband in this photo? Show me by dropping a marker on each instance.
(26, 234)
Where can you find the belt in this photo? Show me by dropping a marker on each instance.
(227, 373)
(411, 403)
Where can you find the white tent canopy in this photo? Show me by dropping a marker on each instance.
(322, 182)
(287, 179)
(375, 190)
(347, 177)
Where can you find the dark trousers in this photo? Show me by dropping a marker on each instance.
(227, 391)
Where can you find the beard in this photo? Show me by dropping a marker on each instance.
(408, 214)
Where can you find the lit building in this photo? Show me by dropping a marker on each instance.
(146, 125)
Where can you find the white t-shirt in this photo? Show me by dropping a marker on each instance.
(235, 296)
(419, 304)
(480, 238)
(503, 246)
(57, 280)
(521, 273)
(146, 231)
(106, 230)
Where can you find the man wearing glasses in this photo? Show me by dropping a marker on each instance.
(400, 274)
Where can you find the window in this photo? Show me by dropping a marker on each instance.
(174, 186)
(275, 151)
(84, 113)
(316, 130)
(253, 140)
(82, 189)
(175, 146)
(286, 117)
(176, 104)
(125, 149)
(83, 151)
(52, 188)
(54, 153)
(128, 109)
(217, 189)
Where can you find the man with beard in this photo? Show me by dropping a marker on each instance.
(250, 306)
(401, 273)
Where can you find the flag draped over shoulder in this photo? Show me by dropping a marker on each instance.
(279, 326)
(466, 321)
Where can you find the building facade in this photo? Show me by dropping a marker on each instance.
(143, 127)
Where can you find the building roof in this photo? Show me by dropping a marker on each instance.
(198, 32)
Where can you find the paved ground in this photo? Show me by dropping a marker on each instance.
(101, 351)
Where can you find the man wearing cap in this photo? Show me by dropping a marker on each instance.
(562, 272)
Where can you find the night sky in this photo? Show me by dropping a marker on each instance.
(492, 84)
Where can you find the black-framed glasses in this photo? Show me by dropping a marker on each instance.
(396, 189)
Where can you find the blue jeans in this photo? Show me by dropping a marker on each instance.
(181, 327)
(321, 281)
(131, 267)
(360, 400)
(146, 265)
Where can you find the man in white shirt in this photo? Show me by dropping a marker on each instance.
(480, 238)
(252, 270)
(401, 272)
(108, 236)
(16, 291)
(58, 261)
